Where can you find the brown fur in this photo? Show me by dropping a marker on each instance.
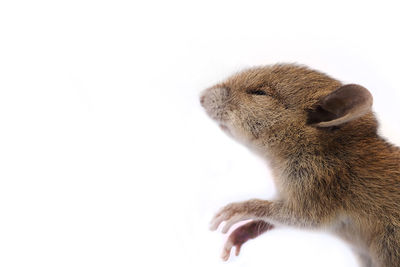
(345, 178)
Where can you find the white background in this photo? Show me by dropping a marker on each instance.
(106, 157)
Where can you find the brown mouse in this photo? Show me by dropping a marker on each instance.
(331, 168)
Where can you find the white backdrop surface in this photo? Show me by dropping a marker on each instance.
(106, 157)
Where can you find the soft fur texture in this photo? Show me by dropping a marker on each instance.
(331, 172)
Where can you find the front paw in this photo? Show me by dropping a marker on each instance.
(242, 234)
(233, 213)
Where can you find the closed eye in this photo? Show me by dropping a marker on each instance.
(256, 92)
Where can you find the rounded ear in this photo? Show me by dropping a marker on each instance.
(345, 104)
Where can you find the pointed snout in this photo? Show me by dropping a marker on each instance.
(214, 95)
(215, 101)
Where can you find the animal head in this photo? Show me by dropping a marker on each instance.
(288, 105)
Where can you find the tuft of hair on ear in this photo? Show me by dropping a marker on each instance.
(345, 104)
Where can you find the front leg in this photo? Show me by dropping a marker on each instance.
(277, 212)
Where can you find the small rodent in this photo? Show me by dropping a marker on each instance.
(331, 168)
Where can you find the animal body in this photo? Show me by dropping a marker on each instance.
(331, 168)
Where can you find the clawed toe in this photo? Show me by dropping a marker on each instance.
(226, 252)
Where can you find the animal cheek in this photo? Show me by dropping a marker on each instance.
(254, 126)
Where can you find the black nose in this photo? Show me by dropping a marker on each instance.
(202, 99)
